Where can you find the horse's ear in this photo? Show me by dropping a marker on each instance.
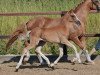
(71, 13)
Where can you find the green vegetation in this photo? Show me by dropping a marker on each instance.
(9, 24)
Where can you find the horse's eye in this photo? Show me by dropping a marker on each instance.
(96, 1)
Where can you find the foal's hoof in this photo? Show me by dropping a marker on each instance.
(24, 62)
(73, 63)
(16, 70)
(89, 63)
(52, 67)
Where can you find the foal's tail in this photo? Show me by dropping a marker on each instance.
(14, 36)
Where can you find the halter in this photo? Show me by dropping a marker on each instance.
(93, 3)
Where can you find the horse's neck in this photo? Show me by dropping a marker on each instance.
(83, 11)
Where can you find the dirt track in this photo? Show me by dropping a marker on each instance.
(63, 68)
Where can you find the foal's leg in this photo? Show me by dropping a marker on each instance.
(27, 55)
(33, 42)
(26, 58)
(22, 56)
(75, 50)
(60, 55)
(38, 51)
(39, 47)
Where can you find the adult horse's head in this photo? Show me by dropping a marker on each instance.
(95, 4)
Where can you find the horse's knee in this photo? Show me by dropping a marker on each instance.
(61, 54)
(25, 51)
(36, 52)
(38, 49)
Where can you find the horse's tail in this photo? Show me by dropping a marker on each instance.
(14, 36)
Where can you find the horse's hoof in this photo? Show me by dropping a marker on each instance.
(52, 67)
(73, 63)
(16, 70)
(92, 62)
(85, 63)
(89, 63)
(74, 69)
(24, 62)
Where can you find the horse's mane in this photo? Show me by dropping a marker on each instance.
(79, 5)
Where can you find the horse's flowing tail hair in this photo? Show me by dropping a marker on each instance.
(15, 35)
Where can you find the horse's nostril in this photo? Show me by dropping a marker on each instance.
(98, 8)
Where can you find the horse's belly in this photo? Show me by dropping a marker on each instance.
(51, 37)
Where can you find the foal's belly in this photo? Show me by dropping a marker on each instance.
(51, 37)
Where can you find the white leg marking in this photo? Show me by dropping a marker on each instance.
(38, 55)
(75, 50)
(27, 56)
(88, 56)
(21, 59)
(60, 55)
(42, 55)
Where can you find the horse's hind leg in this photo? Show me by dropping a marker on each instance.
(22, 56)
(38, 51)
(39, 47)
(33, 41)
(60, 55)
(40, 54)
(26, 58)
(27, 55)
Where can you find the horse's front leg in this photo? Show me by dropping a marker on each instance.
(65, 41)
(82, 45)
(60, 55)
(82, 40)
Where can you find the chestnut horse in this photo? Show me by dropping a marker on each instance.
(22, 31)
(75, 32)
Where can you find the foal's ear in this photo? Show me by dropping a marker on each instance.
(71, 12)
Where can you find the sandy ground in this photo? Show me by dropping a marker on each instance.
(62, 68)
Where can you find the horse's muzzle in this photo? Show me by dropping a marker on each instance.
(98, 8)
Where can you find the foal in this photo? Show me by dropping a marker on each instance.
(23, 29)
(82, 11)
(83, 8)
(57, 34)
(76, 35)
